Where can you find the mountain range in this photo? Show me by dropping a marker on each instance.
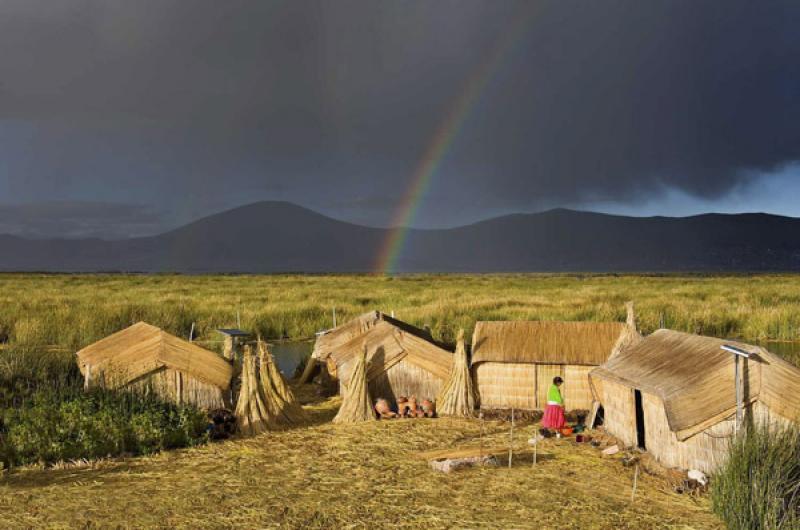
(269, 237)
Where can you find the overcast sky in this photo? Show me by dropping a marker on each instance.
(125, 117)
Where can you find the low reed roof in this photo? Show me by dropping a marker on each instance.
(332, 339)
(387, 345)
(142, 348)
(694, 378)
(547, 342)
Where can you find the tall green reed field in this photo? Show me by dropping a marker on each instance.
(758, 487)
(71, 311)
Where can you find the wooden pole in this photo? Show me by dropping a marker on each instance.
(511, 440)
(238, 312)
(737, 383)
(334, 316)
(87, 378)
(481, 436)
(191, 333)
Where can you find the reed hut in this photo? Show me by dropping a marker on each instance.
(329, 340)
(674, 395)
(233, 340)
(400, 361)
(514, 363)
(146, 359)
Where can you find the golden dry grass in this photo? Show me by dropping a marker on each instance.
(349, 476)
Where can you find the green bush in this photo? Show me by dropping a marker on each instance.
(45, 416)
(69, 425)
(759, 485)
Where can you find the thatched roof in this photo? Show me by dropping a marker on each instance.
(332, 339)
(142, 349)
(545, 342)
(387, 344)
(694, 378)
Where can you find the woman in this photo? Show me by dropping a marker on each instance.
(554, 413)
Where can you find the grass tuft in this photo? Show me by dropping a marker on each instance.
(759, 486)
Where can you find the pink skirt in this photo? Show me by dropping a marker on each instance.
(553, 417)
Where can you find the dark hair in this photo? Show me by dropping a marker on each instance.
(557, 380)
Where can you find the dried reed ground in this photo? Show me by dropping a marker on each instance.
(355, 476)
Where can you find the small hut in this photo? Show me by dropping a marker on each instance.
(233, 341)
(514, 363)
(401, 361)
(674, 395)
(146, 359)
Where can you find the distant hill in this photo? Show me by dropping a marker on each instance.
(282, 237)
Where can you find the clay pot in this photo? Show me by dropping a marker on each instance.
(402, 406)
(429, 407)
(412, 406)
(383, 409)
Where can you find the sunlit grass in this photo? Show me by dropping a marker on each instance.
(74, 310)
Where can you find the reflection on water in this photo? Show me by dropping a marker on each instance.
(289, 354)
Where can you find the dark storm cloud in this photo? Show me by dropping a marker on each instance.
(197, 106)
(78, 219)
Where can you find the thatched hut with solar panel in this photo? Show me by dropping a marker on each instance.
(402, 360)
(514, 363)
(674, 394)
(233, 340)
(146, 359)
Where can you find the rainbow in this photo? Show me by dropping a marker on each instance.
(442, 140)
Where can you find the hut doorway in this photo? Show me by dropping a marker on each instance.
(640, 434)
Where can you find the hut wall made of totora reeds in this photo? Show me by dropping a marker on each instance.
(177, 387)
(405, 379)
(524, 386)
(619, 411)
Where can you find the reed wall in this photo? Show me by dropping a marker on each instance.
(404, 379)
(704, 451)
(524, 385)
(619, 413)
(576, 391)
(177, 387)
(506, 385)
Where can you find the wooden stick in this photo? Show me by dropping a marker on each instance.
(481, 415)
(511, 440)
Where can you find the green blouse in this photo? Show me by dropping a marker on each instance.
(554, 395)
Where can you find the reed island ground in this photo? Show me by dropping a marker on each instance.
(351, 476)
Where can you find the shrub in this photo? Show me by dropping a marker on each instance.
(68, 425)
(758, 486)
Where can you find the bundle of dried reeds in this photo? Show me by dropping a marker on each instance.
(277, 395)
(356, 403)
(252, 415)
(458, 394)
(308, 371)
